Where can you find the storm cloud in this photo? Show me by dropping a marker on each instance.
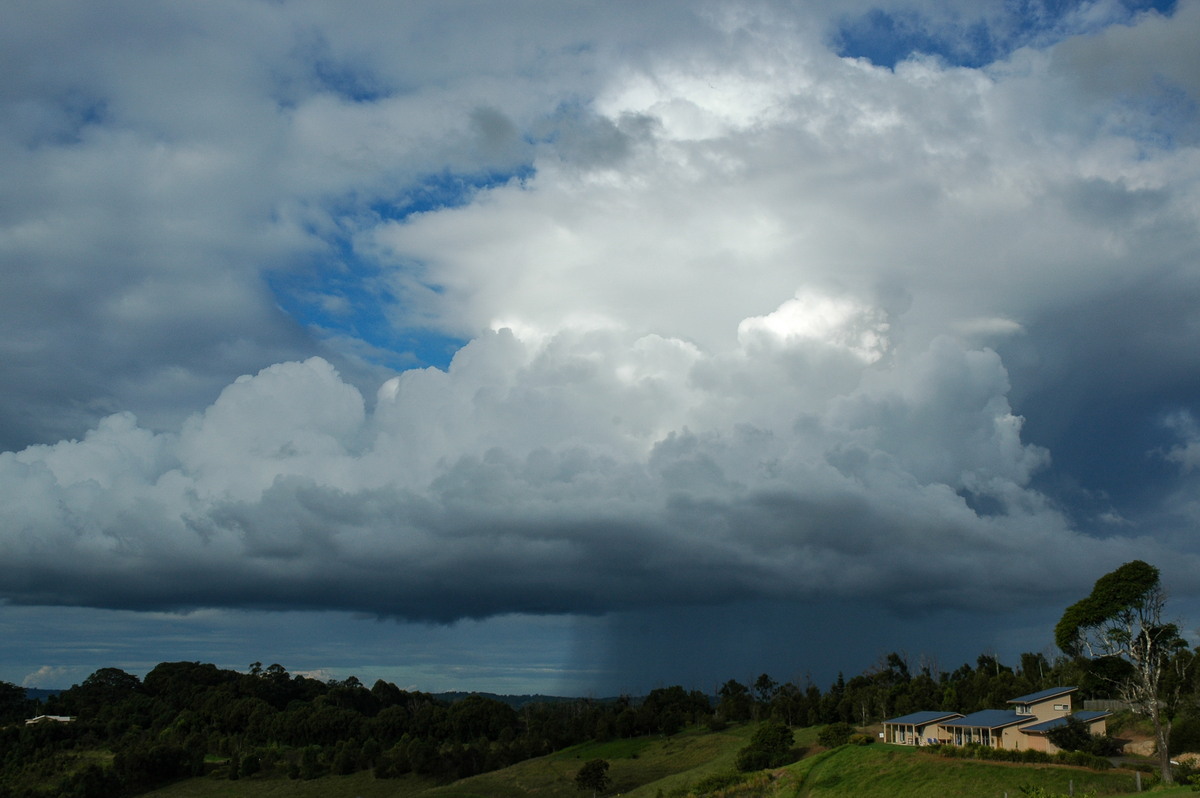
(432, 313)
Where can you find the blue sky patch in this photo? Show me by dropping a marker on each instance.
(444, 190)
(886, 38)
(349, 296)
(354, 84)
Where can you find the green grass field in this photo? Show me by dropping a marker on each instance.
(672, 767)
(880, 771)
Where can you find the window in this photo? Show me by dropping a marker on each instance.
(1063, 707)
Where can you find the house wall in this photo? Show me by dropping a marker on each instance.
(1038, 742)
(1041, 742)
(1012, 739)
(1009, 738)
(930, 731)
(908, 734)
(1046, 710)
(965, 735)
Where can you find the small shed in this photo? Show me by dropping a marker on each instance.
(49, 719)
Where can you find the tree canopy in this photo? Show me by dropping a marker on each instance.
(1103, 618)
(770, 746)
(593, 776)
(1121, 620)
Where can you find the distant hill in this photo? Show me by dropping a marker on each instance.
(514, 701)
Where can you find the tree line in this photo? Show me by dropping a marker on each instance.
(188, 718)
(163, 726)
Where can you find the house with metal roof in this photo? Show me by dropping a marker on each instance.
(1036, 734)
(1023, 726)
(917, 728)
(1051, 703)
(996, 728)
(49, 719)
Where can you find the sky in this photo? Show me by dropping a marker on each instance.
(586, 348)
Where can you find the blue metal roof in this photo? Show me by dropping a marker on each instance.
(990, 719)
(1042, 695)
(1086, 717)
(1045, 726)
(923, 718)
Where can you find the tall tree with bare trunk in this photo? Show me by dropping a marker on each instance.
(1122, 619)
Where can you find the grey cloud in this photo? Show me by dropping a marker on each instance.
(160, 160)
(758, 325)
(597, 142)
(284, 494)
(495, 129)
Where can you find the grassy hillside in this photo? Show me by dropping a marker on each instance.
(359, 785)
(880, 771)
(673, 767)
(634, 763)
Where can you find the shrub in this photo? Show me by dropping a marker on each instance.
(861, 739)
(251, 764)
(716, 723)
(749, 759)
(593, 776)
(1185, 735)
(770, 746)
(937, 749)
(1075, 736)
(975, 751)
(718, 781)
(1083, 759)
(1042, 792)
(835, 734)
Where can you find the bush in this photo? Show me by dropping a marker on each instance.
(749, 759)
(1186, 773)
(142, 767)
(593, 776)
(310, 763)
(718, 781)
(1028, 756)
(1075, 736)
(861, 739)
(1083, 759)
(1042, 792)
(770, 747)
(1031, 756)
(1185, 735)
(835, 734)
(251, 764)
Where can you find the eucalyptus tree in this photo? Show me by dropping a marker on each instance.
(1121, 621)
